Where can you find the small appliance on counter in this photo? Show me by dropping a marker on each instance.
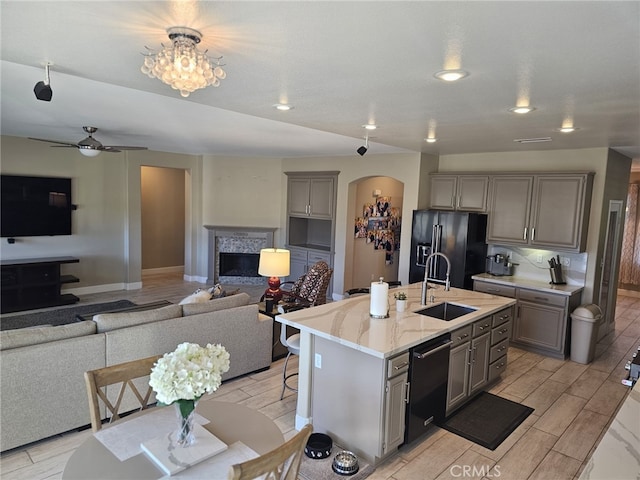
(499, 265)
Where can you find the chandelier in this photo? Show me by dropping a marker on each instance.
(180, 65)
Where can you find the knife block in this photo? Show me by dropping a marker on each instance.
(556, 275)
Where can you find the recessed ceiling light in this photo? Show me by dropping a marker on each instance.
(283, 107)
(532, 140)
(522, 110)
(567, 129)
(370, 126)
(450, 75)
(430, 140)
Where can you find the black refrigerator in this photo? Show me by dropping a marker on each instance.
(461, 236)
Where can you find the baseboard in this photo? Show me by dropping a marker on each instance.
(111, 287)
(195, 278)
(163, 270)
(628, 293)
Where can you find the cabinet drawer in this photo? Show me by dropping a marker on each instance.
(461, 335)
(494, 289)
(500, 333)
(297, 254)
(397, 365)
(502, 316)
(317, 256)
(498, 350)
(481, 326)
(543, 298)
(496, 368)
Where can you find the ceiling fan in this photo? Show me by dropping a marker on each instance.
(90, 147)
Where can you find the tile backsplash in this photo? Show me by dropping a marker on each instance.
(533, 264)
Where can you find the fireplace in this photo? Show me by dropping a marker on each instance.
(238, 264)
(234, 254)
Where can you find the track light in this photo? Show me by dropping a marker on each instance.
(363, 149)
(43, 89)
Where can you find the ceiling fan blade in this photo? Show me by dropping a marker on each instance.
(54, 141)
(63, 146)
(121, 147)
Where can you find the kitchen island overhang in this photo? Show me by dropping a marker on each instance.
(346, 329)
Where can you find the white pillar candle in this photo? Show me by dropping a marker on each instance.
(379, 306)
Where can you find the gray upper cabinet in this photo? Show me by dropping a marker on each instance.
(544, 211)
(459, 192)
(311, 195)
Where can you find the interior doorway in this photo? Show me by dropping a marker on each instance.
(163, 207)
(375, 204)
(610, 261)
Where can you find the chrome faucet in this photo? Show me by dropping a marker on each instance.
(425, 285)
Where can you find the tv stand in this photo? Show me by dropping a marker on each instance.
(31, 283)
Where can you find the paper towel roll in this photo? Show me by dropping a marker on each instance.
(379, 307)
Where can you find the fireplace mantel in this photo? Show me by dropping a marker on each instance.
(254, 238)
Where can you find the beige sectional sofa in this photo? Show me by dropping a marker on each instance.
(42, 390)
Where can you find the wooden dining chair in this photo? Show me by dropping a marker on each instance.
(123, 374)
(282, 463)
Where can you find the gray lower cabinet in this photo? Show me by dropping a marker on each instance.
(396, 395)
(541, 320)
(468, 362)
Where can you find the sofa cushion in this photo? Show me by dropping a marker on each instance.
(113, 321)
(23, 337)
(216, 304)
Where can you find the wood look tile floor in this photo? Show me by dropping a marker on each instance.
(573, 404)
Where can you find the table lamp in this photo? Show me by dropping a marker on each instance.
(274, 263)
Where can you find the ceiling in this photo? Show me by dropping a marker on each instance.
(341, 64)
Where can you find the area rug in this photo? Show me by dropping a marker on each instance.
(320, 469)
(60, 316)
(487, 420)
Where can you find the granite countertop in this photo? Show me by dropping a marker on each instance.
(348, 322)
(618, 453)
(520, 282)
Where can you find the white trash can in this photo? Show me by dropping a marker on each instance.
(584, 328)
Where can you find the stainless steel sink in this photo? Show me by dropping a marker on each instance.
(446, 311)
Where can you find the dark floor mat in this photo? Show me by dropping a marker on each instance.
(487, 420)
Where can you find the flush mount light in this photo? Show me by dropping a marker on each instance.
(450, 75)
(430, 140)
(370, 126)
(181, 65)
(283, 107)
(522, 109)
(567, 129)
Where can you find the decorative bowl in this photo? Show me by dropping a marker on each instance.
(318, 446)
(345, 463)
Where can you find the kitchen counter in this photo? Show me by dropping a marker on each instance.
(618, 453)
(513, 281)
(348, 322)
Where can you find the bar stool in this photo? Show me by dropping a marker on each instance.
(293, 345)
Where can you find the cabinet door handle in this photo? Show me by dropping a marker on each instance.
(482, 327)
(460, 337)
(473, 359)
(533, 233)
(524, 237)
(401, 366)
(504, 330)
(499, 366)
(406, 395)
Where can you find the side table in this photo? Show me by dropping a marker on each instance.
(278, 350)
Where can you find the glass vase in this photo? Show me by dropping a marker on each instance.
(186, 410)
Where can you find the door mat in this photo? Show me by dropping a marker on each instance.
(487, 420)
(320, 468)
(60, 316)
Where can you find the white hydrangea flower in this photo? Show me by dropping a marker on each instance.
(189, 372)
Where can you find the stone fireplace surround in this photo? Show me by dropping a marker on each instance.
(229, 239)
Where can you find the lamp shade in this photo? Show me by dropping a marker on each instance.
(274, 262)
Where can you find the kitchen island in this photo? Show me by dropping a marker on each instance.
(352, 369)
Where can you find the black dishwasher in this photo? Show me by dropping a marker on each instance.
(428, 372)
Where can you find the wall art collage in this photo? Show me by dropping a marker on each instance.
(380, 225)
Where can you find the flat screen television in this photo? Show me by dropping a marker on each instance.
(35, 206)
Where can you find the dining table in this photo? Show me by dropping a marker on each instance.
(237, 425)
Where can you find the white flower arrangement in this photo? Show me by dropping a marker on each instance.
(189, 372)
